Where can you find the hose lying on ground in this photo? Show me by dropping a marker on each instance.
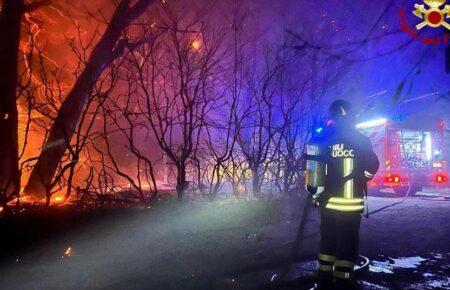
(297, 242)
(390, 205)
(300, 235)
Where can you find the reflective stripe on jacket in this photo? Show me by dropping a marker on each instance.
(350, 163)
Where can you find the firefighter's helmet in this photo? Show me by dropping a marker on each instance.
(341, 111)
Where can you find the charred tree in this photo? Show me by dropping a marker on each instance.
(11, 15)
(10, 21)
(110, 46)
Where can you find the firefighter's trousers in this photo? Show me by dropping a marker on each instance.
(339, 243)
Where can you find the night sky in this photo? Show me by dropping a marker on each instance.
(394, 56)
(365, 33)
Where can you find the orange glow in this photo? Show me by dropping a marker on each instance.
(67, 253)
(196, 44)
(241, 188)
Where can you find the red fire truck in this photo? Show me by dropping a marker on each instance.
(411, 153)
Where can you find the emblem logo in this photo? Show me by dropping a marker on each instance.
(340, 151)
(434, 16)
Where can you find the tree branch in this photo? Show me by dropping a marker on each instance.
(138, 8)
(36, 5)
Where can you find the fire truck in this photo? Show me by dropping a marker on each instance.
(412, 153)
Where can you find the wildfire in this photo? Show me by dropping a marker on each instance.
(21, 199)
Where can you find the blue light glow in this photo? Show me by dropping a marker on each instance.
(373, 123)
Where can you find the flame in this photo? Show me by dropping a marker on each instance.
(147, 186)
(196, 44)
(241, 188)
(67, 253)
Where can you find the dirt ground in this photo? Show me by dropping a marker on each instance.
(219, 245)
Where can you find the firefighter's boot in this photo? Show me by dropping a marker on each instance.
(344, 276)
(346, 284)
(324, 285)
(324, 281)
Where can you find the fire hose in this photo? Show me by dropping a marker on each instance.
(279, 278)
(301, 229)
(297, 242)
(389, 205)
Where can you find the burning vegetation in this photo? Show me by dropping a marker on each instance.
(111, 108)
(152, 100)
(123, 101)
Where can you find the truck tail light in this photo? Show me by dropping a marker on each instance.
(393, 179)
(441, 178)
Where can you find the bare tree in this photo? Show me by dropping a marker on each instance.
(224, 126)
(43, 95)
(123, 117)
(259, 125)
(175, 76)
(294, 114)
(110, 46)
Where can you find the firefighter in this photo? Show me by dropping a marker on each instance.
(338, 166)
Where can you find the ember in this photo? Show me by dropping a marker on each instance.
(196, 44)
(67, 253)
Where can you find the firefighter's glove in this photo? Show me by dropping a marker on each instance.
(368, 176)
(316, 200)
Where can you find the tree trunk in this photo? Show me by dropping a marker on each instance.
(218, 182)
(10, 24)
(288, 178)
(62, 130)
(181, 181)
(256, 184)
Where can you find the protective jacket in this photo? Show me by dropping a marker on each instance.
(349, 164)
